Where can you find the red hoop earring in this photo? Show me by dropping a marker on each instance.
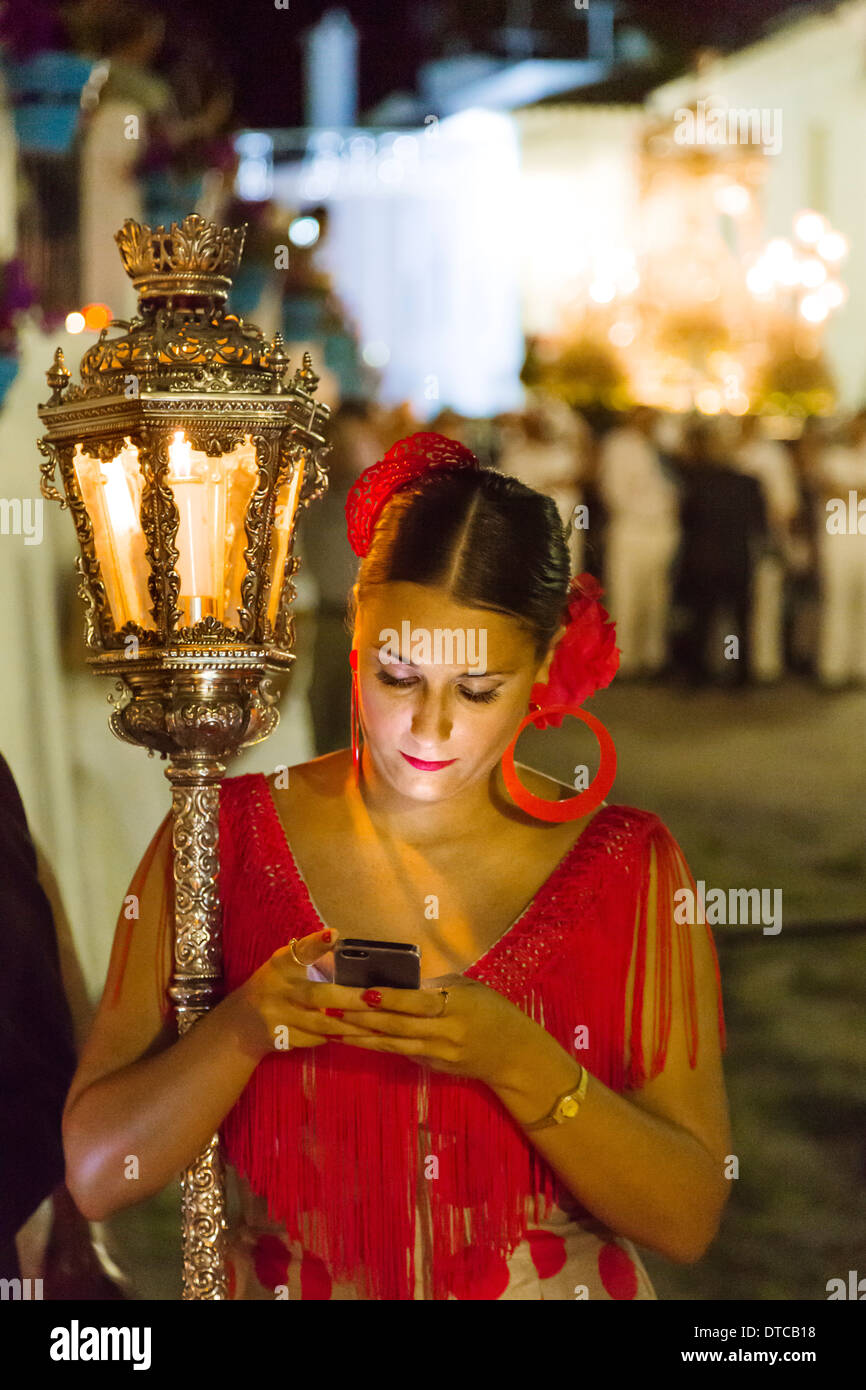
(355, 716)
(575, 806)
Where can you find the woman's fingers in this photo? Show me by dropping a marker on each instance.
(316, 1022)
(308, 949)
(421, 1002)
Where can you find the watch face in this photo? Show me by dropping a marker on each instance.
(569, 1107)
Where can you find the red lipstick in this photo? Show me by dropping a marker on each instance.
(426, 767)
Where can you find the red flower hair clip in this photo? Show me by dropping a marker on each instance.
(405, 462)
(585, 658)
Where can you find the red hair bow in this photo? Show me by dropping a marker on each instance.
(405, 462)
(585, 658)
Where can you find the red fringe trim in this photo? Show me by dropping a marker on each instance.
(334, 1140)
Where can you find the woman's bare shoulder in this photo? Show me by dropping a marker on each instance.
(552, 790)
(322, 776)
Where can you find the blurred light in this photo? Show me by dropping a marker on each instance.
(709, 401)
(779, 251)
(602, 291)
(629, 282)
(833, 294)
(708, 288)
(814, 308)
(254, 180)
(304, 231)
(737, 405)
(722, 363)
(254, 144)
(812, 273)
(732, 199)
(810, 227)
(96, 316)
(790, 273)
(329, 142)
(362, 146)
(75, 322)
(621, 334)
(832, 246)
(406, 147)
(759, 280)
(376, 354)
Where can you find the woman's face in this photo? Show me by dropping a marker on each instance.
(455, 696)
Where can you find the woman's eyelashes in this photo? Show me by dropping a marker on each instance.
(475, 696)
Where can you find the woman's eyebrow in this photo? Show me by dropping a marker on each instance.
(462, 675)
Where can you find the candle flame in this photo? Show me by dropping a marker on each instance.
(180, 455)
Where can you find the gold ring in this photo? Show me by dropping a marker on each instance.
(294, 953)
(443, 991)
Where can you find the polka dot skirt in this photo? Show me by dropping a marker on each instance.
(562, 1257)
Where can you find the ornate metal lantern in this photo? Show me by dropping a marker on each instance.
(184, 458)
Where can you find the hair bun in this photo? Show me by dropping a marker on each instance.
(405, 462)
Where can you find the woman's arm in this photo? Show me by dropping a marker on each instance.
(143, 1103)
(649, 1163)
(129, 1133)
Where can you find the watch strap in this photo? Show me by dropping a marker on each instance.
(554, 1116)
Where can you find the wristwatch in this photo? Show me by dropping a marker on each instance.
(565, 1107)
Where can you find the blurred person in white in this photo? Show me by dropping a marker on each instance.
(548, 448)
(771, 464)
(840, 472)
(641, 541)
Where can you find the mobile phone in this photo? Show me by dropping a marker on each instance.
(377, 964)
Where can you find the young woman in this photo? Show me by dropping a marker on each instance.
(553, 1092)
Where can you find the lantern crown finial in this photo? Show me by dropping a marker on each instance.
(58, 377)
(196, 257)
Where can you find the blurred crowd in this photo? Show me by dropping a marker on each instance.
(727, 556)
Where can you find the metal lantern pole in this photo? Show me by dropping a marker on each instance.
(184, 458)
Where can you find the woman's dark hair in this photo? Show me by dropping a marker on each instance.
(487, 539)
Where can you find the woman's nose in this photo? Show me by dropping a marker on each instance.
(431, 718)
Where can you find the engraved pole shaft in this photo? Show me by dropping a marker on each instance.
(196, 987)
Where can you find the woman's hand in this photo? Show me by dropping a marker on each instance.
(481, 1034)
(277, 1008)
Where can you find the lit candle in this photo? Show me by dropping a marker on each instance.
(196, 560)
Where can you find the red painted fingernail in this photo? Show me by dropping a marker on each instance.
(372, 997)
(326, 936)
(334, 1013)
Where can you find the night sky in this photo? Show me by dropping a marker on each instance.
(258, 46)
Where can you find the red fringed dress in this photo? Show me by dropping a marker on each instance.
(357, 1175)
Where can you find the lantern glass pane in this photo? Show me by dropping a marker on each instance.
(284, 525)
(212, 496)
(111, 492)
